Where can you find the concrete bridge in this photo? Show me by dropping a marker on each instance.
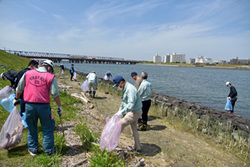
(59, 57)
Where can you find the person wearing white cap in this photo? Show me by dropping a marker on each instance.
(37, 85)
(131, 108)
(232, 96)
(92, 82)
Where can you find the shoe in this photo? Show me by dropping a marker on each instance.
(130, 148)
(51, 152)
(33, 152)
(143, 127)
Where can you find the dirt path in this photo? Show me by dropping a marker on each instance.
(162, 144)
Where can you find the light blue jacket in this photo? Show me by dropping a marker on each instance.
(131, 100)
(145, 90)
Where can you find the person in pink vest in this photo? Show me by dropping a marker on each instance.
(37, 85)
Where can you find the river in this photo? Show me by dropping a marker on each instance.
(203, 86)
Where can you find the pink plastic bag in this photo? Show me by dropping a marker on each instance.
(11, 133)
(111, 133)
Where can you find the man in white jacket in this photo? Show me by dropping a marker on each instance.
(92, 82)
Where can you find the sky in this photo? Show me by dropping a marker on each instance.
(130, 29)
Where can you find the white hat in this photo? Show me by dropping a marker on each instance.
(50, 63)
(2, 76)
(228, 83)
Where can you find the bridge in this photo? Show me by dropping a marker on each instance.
(59, 57)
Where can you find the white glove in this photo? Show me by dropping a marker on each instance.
(16, 101)
(119, 114)
(228, 98)
(60, 111)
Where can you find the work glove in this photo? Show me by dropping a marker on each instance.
(16, 101)
(228, 98)
(119, 114)
(60, 111)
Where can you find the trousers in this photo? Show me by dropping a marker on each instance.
(43, 112)
(145, 107)
(131, 119)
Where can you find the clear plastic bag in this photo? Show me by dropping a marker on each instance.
(111, 133)
(84, 86)
(11, 133)
(7, 103)
(74, 76)
(5, 92)
(228, 106)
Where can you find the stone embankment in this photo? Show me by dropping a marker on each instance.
(232, 122)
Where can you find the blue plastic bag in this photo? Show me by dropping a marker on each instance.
(23, 120)
(7, 103)
(228, 106)
(84, 86)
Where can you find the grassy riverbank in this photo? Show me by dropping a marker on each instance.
(174, 140)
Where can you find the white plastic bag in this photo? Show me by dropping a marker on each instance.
(11, 133)
(74, 76)
(111, 133)
(7, 103)
(84, 86)
(5, 92)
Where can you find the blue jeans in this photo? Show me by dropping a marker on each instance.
(22, 107)
(43, 112)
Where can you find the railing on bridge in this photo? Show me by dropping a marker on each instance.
(58, 57)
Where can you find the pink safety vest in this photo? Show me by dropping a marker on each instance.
(37, 86)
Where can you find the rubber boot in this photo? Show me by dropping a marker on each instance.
(94, 94)
(90, 92)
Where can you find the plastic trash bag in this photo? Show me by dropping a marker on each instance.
(23, 120)
(7, 103)
(5, 92)
(62, 71)
(106, 77)
(11, 133)
(84, 86)
(228, 106)
(74, 76)
(111, 133)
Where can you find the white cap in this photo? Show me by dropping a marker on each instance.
(2, 76)
(228, 83)
(50, 63)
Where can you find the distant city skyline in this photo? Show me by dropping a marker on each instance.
(137, 30)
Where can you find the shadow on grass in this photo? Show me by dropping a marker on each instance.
(100, 98)
(18, 151)
(150, 149)
(156, 127)
(74, 150)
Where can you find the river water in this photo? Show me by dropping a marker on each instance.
(203, 86)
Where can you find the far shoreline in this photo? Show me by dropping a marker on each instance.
(240, 67)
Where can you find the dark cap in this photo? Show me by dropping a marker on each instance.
(117, 80)
(133, 74)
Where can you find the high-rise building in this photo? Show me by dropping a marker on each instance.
(157, 58)
(177, 58)
(166, 58)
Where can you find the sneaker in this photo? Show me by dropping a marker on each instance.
(33, 152)
(130, 148)
(51, 152)
(142, 127)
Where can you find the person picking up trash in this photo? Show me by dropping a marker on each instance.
(130, 108)
(37, 84)
(232, 96)
(32, 65)
(92, 82)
